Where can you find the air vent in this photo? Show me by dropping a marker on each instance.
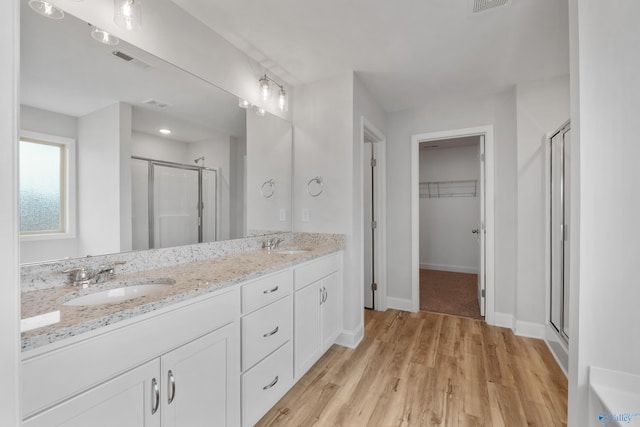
(482, 5)
(130, 59)
(156, 103)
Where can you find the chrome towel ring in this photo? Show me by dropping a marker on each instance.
(316, 189)
(268, 189)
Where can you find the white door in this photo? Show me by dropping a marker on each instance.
(197, 382)
(129, 400)
(481, 232)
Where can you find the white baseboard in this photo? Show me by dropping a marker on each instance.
(504, 320)
(530, 329)
(351, 339)
(452, 268)
(399, 304)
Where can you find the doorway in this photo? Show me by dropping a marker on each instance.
(373, 217)
(485, 229)
(451, 216)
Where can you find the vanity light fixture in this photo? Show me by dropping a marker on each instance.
(46, 9)
(127, 14)
(265, 90)
(103, 36)
(165, 131)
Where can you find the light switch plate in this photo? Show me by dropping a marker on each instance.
(305, 215)
(283, 214)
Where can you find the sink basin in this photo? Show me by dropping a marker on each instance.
(290, 251)
(121, 293)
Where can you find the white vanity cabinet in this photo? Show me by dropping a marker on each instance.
(180, 367)
(318, 309)
(267, 348)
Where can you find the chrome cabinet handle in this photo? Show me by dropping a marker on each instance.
(271, 384)
(268, 291)
(172, 381)
(321, 296)
(155, 401)
(268, 334)
(475, 231)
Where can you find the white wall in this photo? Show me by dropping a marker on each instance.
(9, 252)
(605, 128)
(438, 116)
(100, 184)
(50, 123)
(158, 148)
(542, 107)
(446, 241)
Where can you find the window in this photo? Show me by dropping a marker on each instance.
(46, 190)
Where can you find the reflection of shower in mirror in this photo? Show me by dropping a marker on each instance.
(199, 159)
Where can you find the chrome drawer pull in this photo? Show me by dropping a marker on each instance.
(156, 396)
(268, 291)
(268, 334)
(172, 381)
(274, 382)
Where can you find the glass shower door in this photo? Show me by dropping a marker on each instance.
(559, 238)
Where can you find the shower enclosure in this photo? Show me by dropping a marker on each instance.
(173, 204)
(560, 213)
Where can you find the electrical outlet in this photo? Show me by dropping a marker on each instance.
(305, 215)
(283, 214)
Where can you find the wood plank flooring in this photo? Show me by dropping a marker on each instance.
(429, 369)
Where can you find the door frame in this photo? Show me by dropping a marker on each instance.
(488, 133)
(369, 131)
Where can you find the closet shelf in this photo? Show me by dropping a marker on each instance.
(436, 189)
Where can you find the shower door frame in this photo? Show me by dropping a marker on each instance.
(150, 188)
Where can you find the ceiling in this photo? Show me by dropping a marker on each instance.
(406, 52)
(65, 71)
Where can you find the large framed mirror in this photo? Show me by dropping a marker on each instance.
(99, 177)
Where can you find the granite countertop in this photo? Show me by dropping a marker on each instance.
(45, 320)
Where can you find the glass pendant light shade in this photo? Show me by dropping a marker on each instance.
(104, 37)
(283, 103)
(265, 87)
(46, 9)
(127, 14)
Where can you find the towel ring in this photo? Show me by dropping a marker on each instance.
(268, 189)
(319, 182)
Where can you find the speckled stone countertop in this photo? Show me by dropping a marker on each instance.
(45, 320)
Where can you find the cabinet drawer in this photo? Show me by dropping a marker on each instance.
(266, 383)
(316, 270)
(266, 290)
(265, 330)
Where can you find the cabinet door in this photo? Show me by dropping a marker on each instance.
(331, 309)
(129, 400)
(307, 328)
(201, 381)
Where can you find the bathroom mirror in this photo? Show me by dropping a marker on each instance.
(222, 173)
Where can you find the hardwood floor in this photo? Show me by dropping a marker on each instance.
(429, 369)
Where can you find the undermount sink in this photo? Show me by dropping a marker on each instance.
(122, 293)
(291, 251)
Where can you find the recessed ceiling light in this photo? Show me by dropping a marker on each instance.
(164, 131)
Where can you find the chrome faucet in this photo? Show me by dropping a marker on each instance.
(273, 243)
(81, 277)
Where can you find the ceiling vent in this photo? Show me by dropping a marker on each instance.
(482, 5)
(130, 59)
(156, 103)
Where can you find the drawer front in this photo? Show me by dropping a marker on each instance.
(266, 290)
(265, 330)
(87, 363)
(266, 383)
(317, 269)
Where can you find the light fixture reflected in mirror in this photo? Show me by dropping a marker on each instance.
(127, 14)
(243, 103)
(46, 9)
(260, 111)
(103, 36)
(265, 90)
(165, 131)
